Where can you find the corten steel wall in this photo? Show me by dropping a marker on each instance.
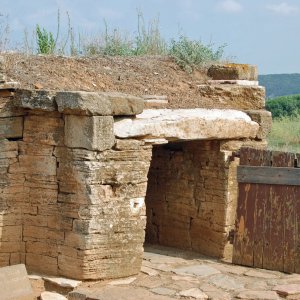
(191, 197)
(268, 218)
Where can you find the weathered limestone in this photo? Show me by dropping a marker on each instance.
(264, 119)
(227, 96)
(100, 104)
(233, 72)
(36, 99)
(11, 127)
(92, 133)
(187, 124)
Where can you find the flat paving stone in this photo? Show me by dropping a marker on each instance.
(194, 293)
(164, 277)
(261, 274)
(197, 270)
(258, 295)
(63, 282)
(233, 269)
(149, 271)
(218, 295)
(52, 296)
(226, 282)
(163, 291)
(184, 278)
(287, 289)
(124, 281)
(115, 293)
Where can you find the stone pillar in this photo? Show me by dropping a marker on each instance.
(84, 216)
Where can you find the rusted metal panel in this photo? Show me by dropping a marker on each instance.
(269, 175)
(290, 228)
(268, 214)
(297, 230)
(243, 242)
(259, 229)
(255, 157)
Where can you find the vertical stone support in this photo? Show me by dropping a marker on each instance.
(12, 192)
(106, 192)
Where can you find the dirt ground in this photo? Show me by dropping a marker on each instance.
(134, 75)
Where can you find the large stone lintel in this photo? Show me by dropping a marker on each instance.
(187, 124)
(80, 103)
(98, 104)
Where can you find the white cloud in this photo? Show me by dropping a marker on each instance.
(230, 6)
(283, 8)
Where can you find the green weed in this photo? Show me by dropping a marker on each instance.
(191, 54)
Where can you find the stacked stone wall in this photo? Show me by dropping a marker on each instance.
(191, 197)
(74, 172)
(71, 195)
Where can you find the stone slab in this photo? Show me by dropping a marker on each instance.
(197, 270)
(258, 295)
(261, 274)
(36, 99)
(264, 119)
(229, 96)
(233, 72)
(287, 289)
(98, 104)
(63, 282)
(92, 133)
(115, 293)
(124, 281)
(193, 293)
(226, 282)
(52, 296)
(163, 291)
(15, 284)
(238, 82)
(11, 127)
(187, 124)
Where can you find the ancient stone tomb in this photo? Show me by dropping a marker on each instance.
(85, 176)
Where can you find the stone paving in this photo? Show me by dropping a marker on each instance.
(174, 274)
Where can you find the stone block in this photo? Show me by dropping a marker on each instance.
(92, 133)
(11, 127)
(233, 72)
(15, 284)
(98, 104)
(7, 108)
(36, 100)
(43, 129)
(264, 120)
(187, 124)
(29, 164)
(41, 263)
(231, 96)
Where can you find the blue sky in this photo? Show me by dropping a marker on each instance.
(261, 32)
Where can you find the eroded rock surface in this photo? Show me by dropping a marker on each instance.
(187, 124)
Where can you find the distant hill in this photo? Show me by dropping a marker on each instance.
(280, 84)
